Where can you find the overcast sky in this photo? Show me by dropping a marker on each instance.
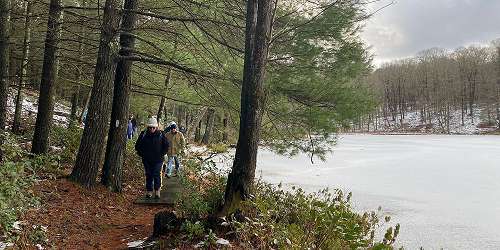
(409, 26)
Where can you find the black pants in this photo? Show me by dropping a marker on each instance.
(153, 178)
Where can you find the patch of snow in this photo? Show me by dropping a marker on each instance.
(17, 225)
(200, 244)
(140, 243)
(224, 242)
(135, 243)
(39, 247)
(58, 107)
(197, 149)
(4, 245)
(43, 228)
(30, 108)
(54, 148)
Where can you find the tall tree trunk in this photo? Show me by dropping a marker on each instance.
(225, 133)
(241, 177)
(91, 150)
(498, 85)
(79, 77)
(162, 100)
(24, 64)
(197, 134)
(74, 105)
(86, 106)
(4, 61)
(209, 127)
(186, 124)
(180, 115)
(117, 142)
(49, 74)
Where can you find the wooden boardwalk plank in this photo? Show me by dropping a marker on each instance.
(170, 191)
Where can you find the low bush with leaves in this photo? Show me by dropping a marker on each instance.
(16, 179)
(19, 171)
(68, 139)
(294, 219)
(193, 230)
(277, 218)
(203, 191)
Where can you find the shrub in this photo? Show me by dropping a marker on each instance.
(193, 230)
(203, 191)
(68, 139)
(297, 220)
(15, 182)
(277, 218)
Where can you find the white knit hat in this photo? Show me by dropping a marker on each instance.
(152, 122)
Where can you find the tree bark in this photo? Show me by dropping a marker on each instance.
(117, 142)
(197, 134)
(86, 106)
(16, 126)
(74, 105)
(498, 85)
(91, 150)
(49, 74)
(76, 95)
(209, 127)
(194, 124)
(241, 177)
(162, 100)
(4, 59)
(225, 133)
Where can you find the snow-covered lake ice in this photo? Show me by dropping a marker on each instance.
(443, 190)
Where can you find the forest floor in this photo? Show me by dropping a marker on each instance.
(79, 218)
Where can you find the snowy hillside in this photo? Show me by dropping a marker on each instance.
(30, 108)
(412, 123)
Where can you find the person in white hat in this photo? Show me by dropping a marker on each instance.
(152, 146)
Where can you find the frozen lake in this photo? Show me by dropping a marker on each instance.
(443, 190)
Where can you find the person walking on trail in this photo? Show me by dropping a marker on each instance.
(169, 127)
(177, 142)
(134, 125)
(130, 129)
(151, 146)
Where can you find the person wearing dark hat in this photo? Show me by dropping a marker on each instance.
(151, 146)
(134, 125)
(177, 142)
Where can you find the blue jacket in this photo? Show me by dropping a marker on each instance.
(130, 129)
(152, 147)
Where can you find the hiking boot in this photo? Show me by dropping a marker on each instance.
(157, 194)
(149, 194)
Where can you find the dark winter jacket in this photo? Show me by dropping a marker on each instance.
(134, 123)
(152, 147)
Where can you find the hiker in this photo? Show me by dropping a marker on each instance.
(134, 125)
(151, 146)
(130, 129)
(177, 142)
(167, 129)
